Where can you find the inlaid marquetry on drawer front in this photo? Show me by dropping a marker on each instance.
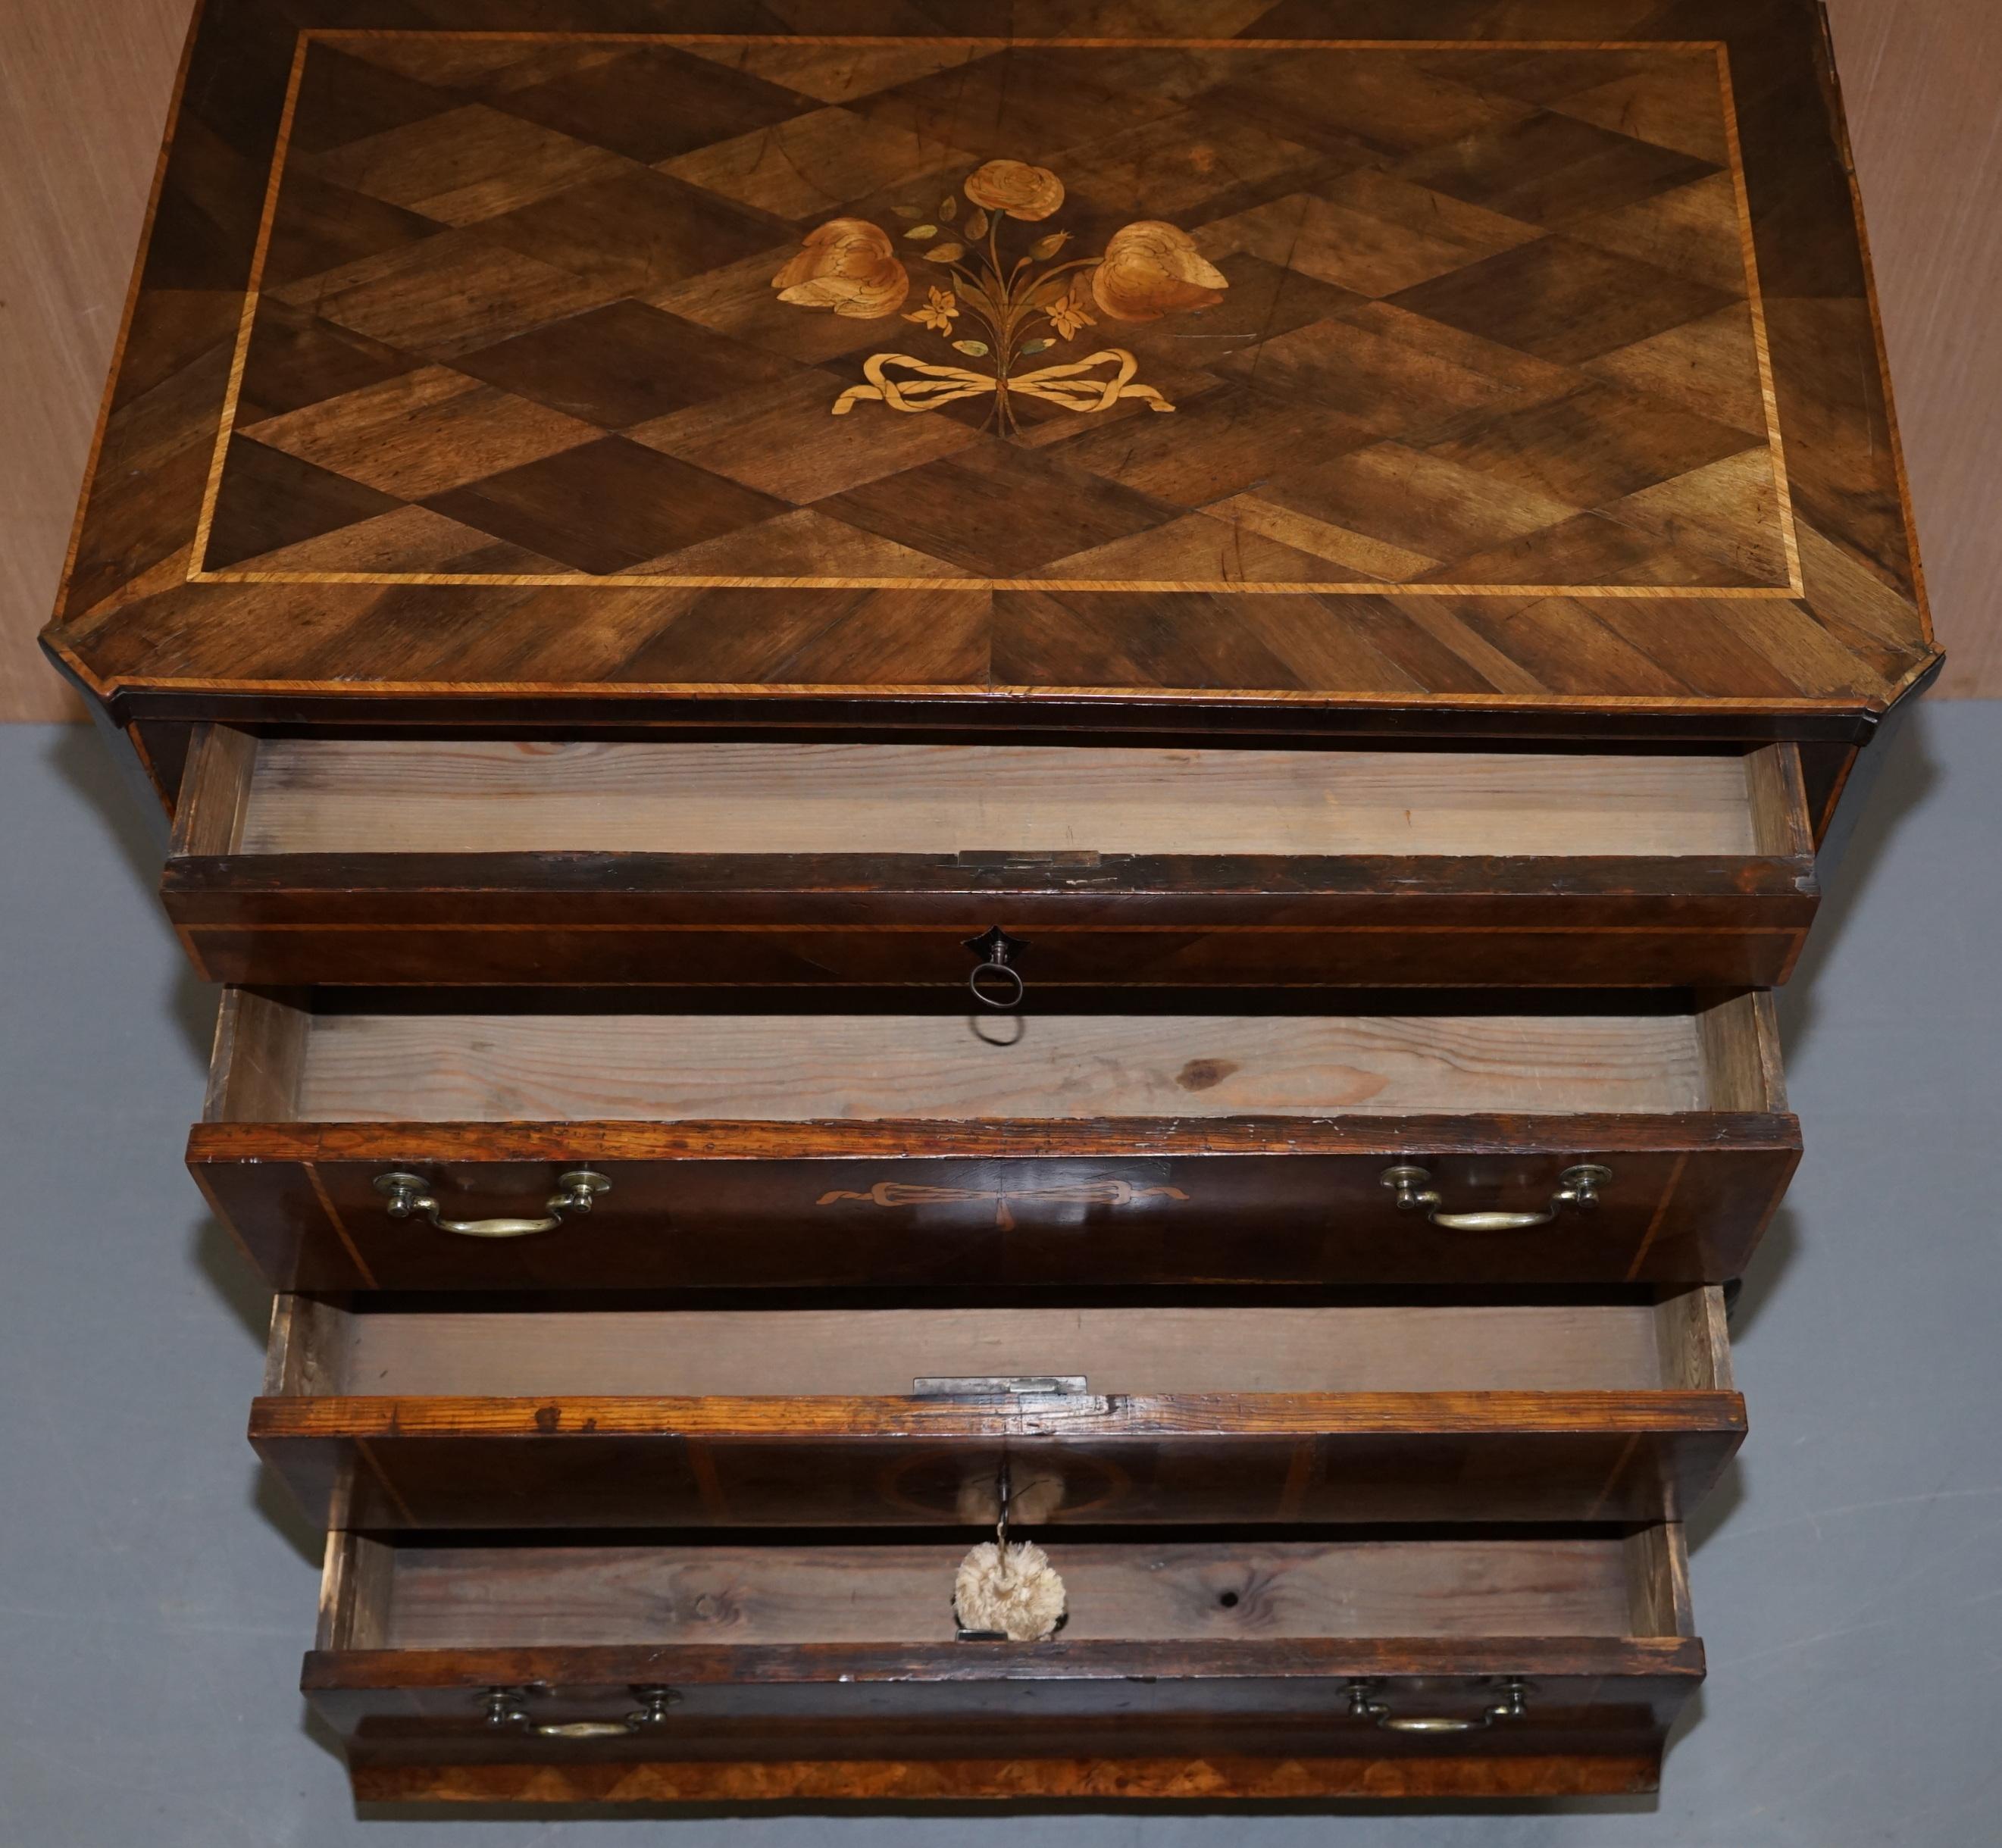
(781, 1150)
(384, 1415)
(1230, 1664)
(342, 860)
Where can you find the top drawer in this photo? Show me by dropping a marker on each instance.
(342, 860)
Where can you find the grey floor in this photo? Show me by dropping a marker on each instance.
(155, 1597)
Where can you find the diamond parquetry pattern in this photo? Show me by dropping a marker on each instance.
(1487, 322)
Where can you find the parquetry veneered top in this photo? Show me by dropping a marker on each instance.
(1333, 352)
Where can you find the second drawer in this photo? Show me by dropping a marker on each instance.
(400, 1141)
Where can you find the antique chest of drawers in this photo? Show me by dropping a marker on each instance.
(1330, 562)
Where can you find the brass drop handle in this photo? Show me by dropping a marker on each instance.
(407, 1195)
(1577, 1187)
(1363, 1705)
(996, 981)
(505, 1707)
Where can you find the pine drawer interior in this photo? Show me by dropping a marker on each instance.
(322, 1057)
(471, 861)
(435, 1592)
(380, 1348)
(296, 795)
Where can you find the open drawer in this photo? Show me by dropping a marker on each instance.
(1337, 1662)
(394, 1415)
(840, 1151)
(355, 860)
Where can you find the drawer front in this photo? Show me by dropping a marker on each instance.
(1131, 1733)
(315, 861)
(391, 1416)
(601, 1464)
(977, 1195)
(1579, 926)
(1230, 1667)
(1270, 1203)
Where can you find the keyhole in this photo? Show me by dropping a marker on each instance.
(1229, 1601)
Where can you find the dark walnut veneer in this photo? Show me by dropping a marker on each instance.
(1543, 390)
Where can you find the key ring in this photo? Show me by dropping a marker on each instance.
(997, 951)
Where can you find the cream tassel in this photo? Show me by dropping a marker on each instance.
(1010, 1587)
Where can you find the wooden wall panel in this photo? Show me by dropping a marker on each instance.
(1922, 79)
(83, 97)
(83, 92)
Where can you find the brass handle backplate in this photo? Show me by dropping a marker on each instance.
(407, 1195)
(1577, 1188)
(1364, 1705)
(506, 1707)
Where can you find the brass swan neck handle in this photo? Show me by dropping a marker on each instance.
(407, 1196)
(1577, 1189)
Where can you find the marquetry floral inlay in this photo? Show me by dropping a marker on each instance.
(1081, 1193)
(1025, 295)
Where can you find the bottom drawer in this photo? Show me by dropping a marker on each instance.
(1409, 1662)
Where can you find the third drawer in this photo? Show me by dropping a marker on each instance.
(388, 1413)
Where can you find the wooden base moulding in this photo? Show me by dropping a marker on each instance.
(1206, 1779)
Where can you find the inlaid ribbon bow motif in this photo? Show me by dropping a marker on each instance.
(1057, 385)
(1026, 303)
(1085, 1193)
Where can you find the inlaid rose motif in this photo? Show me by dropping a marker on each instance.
(849, 266)
(1015, 187)
(1021, 297)
(1152, 269)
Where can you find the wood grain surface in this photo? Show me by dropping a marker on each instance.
(1105, 1719)
(632, 1462)
(544, 1067)
(1596, 1347)
(1429, 258)
(946, 1159)
(1039, 1208)
(350, 796)
(1231, 1650)
(1921, 78)
(83, 96)
(1678, 912)
(86, 90)
(1211, 1777)
(441, 1597)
